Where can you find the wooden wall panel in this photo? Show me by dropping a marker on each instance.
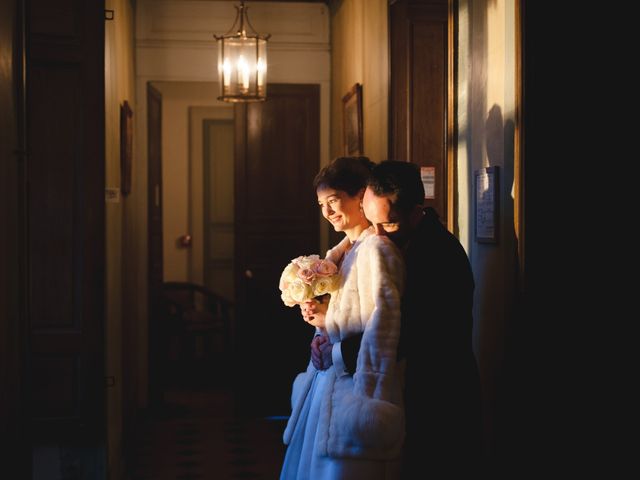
(55, 181)
(65, 177)
(418, 110)
(55, 19)
(55, 386)
(429, 103)
(14, 442)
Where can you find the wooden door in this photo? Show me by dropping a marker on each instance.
(65, 232)
(14, 453)
(154, 238)
(219, 230)
(419, 101)
(277, 157)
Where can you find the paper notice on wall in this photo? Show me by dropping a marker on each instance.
(486, 204)
(428, 175)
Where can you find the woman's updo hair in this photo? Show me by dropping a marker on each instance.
(348, 174)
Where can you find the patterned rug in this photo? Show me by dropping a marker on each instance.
(195, 436)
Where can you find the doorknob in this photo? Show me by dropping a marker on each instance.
(248, 273)
(185, 240)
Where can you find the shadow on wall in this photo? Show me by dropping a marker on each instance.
(497, 300)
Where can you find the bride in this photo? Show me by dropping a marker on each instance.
(343, 426)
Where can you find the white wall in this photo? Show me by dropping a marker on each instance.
(119, 86)
(174, 43)
(360, 54)
(182, 172)
(486, 119)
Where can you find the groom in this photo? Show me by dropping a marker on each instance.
(442, 387)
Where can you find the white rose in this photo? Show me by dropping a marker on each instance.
(300, 291)
(288, 276)
(322, 286)
(286, 298)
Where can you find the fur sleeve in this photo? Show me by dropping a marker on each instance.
(377, 358)
(335, 254)
(366, 415)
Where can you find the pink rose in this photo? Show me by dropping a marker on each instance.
(307, 275)
(325, 268)
(305, 262)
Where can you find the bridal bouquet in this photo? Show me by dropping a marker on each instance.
(308, 277)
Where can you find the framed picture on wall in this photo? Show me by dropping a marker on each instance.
(352, 121)
(126, 147)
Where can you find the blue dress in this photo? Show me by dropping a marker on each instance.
(301, 462)
(311, 397)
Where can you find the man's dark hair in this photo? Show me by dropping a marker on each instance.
(348, 174)
(400, 181)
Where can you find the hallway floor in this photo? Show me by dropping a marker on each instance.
(195, 436)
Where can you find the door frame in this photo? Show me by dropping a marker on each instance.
(155, 257)
(198, 115)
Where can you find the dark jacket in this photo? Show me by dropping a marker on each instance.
(442, 388)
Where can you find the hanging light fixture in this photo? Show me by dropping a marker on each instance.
(242, 61)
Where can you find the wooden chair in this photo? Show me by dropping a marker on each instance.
(197, 326)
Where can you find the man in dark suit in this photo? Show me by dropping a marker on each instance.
(442, 387)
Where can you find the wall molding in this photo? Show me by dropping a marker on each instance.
(210, 45)
(198, 21)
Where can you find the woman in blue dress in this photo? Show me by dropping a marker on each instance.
(343, 426)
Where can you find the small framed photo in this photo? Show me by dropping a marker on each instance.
(352, 121)
(126, 147)
(487, 197)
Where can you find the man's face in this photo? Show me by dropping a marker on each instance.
(378, 211)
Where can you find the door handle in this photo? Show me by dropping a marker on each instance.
(185, 240)
(248, 273)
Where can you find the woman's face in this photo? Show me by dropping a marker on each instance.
(342, 211)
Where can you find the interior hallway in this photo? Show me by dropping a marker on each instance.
(63, 233)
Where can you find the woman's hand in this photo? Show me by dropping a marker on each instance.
(316, 353)
(321, 352)
(314, 312)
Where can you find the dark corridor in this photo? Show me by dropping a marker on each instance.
(193, 428)
(196, 435)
